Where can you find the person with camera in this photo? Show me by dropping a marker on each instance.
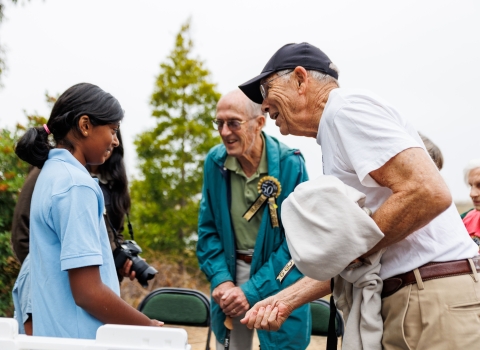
(73, 272)
(241, 242)
(112, 179)
(113, 182)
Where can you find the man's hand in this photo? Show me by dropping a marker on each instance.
(220, 290)
(268, 314)
(234, 303)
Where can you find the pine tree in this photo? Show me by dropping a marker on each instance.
(165, 200)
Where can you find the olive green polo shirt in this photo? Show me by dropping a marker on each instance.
(244, 193)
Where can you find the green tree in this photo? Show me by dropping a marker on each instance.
(2, 51)
(13, 172)
(165, 200)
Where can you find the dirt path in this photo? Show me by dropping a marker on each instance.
(197, 338)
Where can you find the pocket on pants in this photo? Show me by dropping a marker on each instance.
(465, 307)
(394, 312)
(462, 322)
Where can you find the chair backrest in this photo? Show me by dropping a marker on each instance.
(177, 306)
(320, 316)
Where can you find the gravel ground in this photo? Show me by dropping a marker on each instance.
(197, 338)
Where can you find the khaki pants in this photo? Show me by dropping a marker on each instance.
(438, 314)
(240, 336)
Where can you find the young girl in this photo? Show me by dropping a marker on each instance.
(74, 286)
(112, 178)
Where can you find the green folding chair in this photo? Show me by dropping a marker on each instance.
(178, 306)
(320, 316)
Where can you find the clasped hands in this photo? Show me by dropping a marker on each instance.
(231, 299)
(267, 314)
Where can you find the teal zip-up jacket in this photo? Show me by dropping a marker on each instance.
(216, 249)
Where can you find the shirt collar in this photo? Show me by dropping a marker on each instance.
(65, 156)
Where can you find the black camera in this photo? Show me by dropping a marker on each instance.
(129, 250)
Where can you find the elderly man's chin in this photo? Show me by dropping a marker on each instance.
(233, 149)
(278, 123)
(282, 128)
(284, 131)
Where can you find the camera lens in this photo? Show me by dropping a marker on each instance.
(143, 271)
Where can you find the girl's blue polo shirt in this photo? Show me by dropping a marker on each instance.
(67, 231)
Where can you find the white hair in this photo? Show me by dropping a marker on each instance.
(473, 164)
(253, 109)
(315, 74)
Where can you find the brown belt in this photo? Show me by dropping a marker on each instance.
(245, 257)
(429, 271)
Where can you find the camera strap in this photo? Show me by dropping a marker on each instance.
(115, 234)
(130, 229)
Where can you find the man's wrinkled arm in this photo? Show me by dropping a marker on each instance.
(419, 195)
(264, 283)
(271, 313)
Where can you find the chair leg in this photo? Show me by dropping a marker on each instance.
(208, 338)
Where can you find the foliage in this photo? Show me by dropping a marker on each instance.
(12, 175)
(166, 199)
(2, 62)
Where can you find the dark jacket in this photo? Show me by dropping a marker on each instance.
(21, 217)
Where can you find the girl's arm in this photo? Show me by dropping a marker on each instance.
(92, 295)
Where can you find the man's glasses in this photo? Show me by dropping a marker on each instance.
(232, 124)
(264, 86)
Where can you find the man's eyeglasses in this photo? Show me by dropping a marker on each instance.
(232, 124)
(264, 86)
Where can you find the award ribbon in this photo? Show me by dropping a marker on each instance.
(285, 271)
(269, 189)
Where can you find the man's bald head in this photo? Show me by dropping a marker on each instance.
(238, 98)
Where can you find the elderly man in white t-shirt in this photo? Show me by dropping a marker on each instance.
(431, 292)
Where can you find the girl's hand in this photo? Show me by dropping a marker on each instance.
(155, 323)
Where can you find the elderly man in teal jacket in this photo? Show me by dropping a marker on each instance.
(241, 242)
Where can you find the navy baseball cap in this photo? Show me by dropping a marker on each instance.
(289, 56)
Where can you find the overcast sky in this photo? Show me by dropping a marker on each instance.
(422, 56)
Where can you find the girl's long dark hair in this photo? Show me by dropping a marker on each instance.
(114, 171)
(78, 100)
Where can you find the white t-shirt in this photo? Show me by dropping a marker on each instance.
(359, 132)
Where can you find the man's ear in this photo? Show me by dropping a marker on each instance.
(261, 121)
(84, 125)
(300, 75)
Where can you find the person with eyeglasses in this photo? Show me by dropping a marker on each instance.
(241, 243)
(367, 144)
